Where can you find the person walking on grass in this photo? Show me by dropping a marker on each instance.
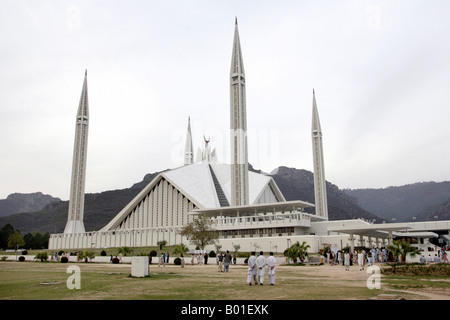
(361, 260)
(271, 263)
(220, 262)
(161, 260)
(226, 261)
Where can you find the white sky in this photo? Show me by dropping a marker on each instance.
(380, 70)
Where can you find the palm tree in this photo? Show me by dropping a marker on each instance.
(303, 250)
(180, 249)
(86, 255)
(297, 251)
(402, 249)
(124, 250)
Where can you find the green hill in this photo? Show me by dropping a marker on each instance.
(402, 203)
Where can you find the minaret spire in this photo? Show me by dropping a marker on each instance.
(76, 203)
(189, 148)
(320, 191)
(238, 126)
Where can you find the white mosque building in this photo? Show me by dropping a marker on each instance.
(246, 208)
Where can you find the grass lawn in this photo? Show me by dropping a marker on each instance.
(47, 281)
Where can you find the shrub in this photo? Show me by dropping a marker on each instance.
(418, 270)
(212, 254)
(177, 261)
(115, 260)
(80, 255)
(60, 252)
(64, 260)
(24, 252)
(42, 256)
(103, 253)
(153, 253)
(21, 258)
(86, 255)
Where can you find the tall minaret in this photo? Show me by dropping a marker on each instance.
(238, 126)
(188, 148)
(320, 191)
(76, 204)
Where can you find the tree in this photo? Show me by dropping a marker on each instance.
(180, 249)
(200, 232)
(162, 244)
(42, 256)
(86, 255)
(5, 232)
(45, 239)
(297, 251)
(28, 238)
(36, 240)
(402, 249)
(303, 251)
(124, 250)
(15, 240)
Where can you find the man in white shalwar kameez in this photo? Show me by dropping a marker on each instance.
(271, 263)
(260, 268)
(347, 261)
(361, 260)
(252, 269)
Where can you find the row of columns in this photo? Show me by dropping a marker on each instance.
(131, 238)
(362, 240)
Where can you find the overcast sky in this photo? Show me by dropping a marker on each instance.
(380, 70)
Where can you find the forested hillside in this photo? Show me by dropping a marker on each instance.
(418, 200)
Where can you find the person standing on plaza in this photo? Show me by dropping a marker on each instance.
(271, 263)
(252, 269)
(220, 262)
(261, 268)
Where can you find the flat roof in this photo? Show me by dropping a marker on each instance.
(416, 234)
(255, 208)
(372, 230)
(371, 227)
(382, 230)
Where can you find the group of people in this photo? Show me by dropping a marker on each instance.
(257, 268)
(441, 256)
(374, 255)
(199, 258)
(164, 259)
(362, 256)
